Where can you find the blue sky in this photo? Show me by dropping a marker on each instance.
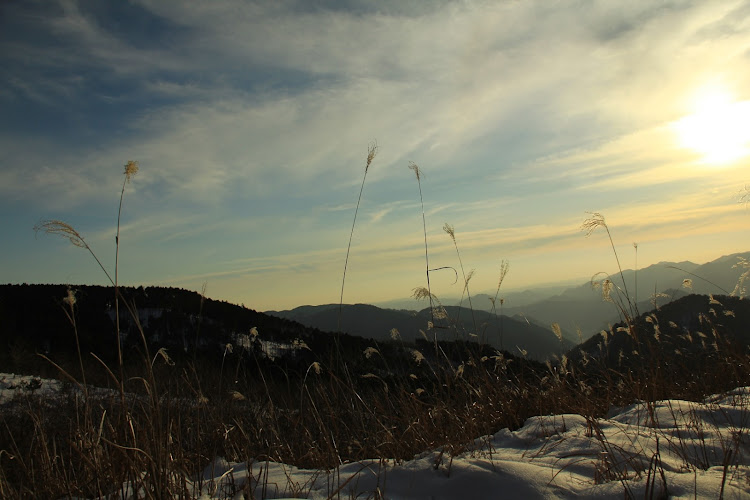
(251, 123)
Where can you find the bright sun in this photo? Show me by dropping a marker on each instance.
(719, 129)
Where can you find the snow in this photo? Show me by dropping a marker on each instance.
(634, 451)
(689, 449)
(12, 386)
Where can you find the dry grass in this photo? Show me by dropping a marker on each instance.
(394, 406)
(164, 420)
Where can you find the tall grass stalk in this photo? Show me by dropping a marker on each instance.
(70, 301)
(131, 168)
(450, 230)
(635, 247)
(65, 230)
(418, 172)
(504, 266)
(589, 226)
(372, 150)
(60, 228)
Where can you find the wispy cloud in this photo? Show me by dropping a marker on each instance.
(251, 121)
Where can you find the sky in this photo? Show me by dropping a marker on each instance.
(251, 123)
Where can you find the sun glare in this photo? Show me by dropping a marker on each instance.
(719, 129)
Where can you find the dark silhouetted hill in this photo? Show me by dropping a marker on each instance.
(691, 327)
(373, 322)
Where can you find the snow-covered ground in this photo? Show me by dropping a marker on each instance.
(681, 448)
(15, 386)
(686, 449)
(12, 385)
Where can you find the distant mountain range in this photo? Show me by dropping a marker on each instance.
(527, 315)
(33, 317)
(512, 334)
(582, 307)
(481, 301)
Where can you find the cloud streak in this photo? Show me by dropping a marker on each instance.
(251, 122)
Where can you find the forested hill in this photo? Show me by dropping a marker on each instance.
(38, 318)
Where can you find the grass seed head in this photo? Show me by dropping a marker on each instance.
(372, 150)
(162, 353)
(62, 229)
(236, 395)
(420, 293)
(450, 230)
(395, 335)
(131, 168)
(439, 313)
(590, 224)
(740, 289)
(70, 298)
(418, 356)
(417, 171)
(557, 331)
(504, 265)
(744, 195)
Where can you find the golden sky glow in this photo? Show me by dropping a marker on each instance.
(251, 122)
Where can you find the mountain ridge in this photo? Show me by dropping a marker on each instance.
(580, 310)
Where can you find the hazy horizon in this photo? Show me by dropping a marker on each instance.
(251, 123)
